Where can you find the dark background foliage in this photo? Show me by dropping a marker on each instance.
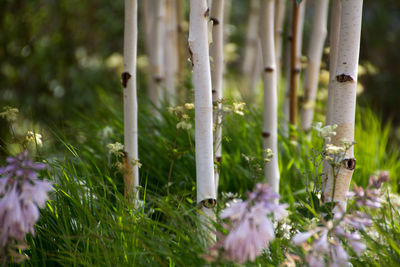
(52, 54)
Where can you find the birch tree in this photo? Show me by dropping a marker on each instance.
(295, 54)
(280, 6)
(251, 67)
(171, 55)
(344, 98)
(131, 176)
(315, 50)
(198, 45)
(217, 55)
(270, 128)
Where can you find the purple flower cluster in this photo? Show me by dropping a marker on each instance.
(327, 248)
(21, 192)
(251, 229)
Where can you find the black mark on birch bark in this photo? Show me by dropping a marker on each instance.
(213, 91)
(266, 134)
(191, 56)
(342, 78)
(349, 164)
(215, 21)
(125, 76)
(207, 13)
(269, 69)
(218, 159)
(158, 79)
(208, 203)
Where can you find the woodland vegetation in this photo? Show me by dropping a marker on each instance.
(201, 132)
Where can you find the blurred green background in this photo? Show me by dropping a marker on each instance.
(56, 55)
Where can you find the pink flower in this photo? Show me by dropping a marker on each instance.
(251, 229)
(21, 193)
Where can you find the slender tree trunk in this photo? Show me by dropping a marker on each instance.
(251, 52)
(131, 176)
(295, 66)
(300, 25)
(171, 51)
(198, 45)
(148, 21)
(344, 102)
(280, 6)
(158, 41)
(315, 50)
(217, 73)
(182, 55)
(334, 45)
(270, 128)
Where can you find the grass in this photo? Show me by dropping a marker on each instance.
(88, 223)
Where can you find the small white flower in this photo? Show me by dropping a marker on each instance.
(238, 108)
(184, 125)
(189, 105)
(334, 150)
(115, 149)
(34, 137)
(9, 113)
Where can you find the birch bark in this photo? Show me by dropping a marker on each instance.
(198, 45)
(280, 6)
(315, 50)
(344, 102)
(158, 70)
(251, 53)
(217, 54)
(270, 128)
(171, 51)
(131, 176)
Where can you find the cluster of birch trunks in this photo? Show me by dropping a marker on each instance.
(163, 26)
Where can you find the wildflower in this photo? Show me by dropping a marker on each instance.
(184, 125)
(22, 193)
(325, 132)
(34, 137)
(252, 229)
(106, 132)
(116, 149)
(238, 108)
(9, 113)
(334, 150)
(189, 105)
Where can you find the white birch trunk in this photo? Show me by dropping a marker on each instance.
(171, 51)
(131, 176)
(344, 102)
(158, 71)
(315, 50)
(334, 46)
(280, 6)
(198, 45)
(270, 128)
(286, 104)
(217, 54)
(251, 52)
(148, 21)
